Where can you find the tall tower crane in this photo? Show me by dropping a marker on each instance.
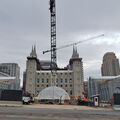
(53, 40)
(53, 35)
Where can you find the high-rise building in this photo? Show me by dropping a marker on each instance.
(38, 75)
(13, 70)
(110, 66)
(6, 81)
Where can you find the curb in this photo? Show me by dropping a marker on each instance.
(10, 105)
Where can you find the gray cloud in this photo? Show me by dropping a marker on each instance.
(26, 22)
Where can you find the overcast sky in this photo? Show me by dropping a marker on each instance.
(24, 23)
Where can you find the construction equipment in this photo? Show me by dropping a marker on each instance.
(53, 34)
(53, 41)
(72, 44)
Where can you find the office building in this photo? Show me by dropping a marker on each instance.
(13, 70)
(6, 81)
(110, 66)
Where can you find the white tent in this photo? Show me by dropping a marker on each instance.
(53, 93)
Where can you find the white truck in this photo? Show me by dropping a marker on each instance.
(26, 100)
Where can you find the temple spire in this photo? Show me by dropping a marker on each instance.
(75, 54)
(33, 52)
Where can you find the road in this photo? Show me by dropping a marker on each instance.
(57, 112)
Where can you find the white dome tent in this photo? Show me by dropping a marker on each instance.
(53, 93)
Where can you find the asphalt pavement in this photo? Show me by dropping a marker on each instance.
(57, 112)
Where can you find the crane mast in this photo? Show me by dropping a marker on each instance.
(53, 35)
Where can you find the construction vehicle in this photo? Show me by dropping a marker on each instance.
(26, 98)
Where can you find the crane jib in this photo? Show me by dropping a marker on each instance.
(76, 43)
